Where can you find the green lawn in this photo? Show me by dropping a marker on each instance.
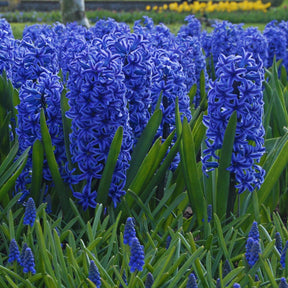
(18, 27)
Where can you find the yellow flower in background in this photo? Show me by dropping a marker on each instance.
(173, 6)
(148, 8)
(208, 7)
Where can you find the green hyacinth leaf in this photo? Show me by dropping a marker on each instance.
(105, 182)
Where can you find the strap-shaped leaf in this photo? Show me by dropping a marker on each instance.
(190, 171)
(223, 182)
(9, 158)
(145, 169)
(9, 178)
(52, 164)
(37, 167)
(66, 125)
(162, 170)
(105, 182)
(143, 145)
(272, 176)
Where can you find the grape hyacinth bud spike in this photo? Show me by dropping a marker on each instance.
(28, 263)
(283, 283)
(278, 242)
(192, 281)
(22, 255)
(209, 213)
(129, 231)
(94, 274)
(283, 255)
(254, 232)
(149, 280)
(30, 212)
(14, 253)
(137, 256)
(252, 251)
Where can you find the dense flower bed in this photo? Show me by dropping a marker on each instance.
(89, 84)
(114, 77)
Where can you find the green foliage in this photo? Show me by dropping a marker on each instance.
(10, 168)
(63, 251)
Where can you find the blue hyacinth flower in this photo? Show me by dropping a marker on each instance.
(237, 87)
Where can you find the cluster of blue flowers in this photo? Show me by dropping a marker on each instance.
(253, 248)
(94, 274)
(136, 249)
(115, 77)
(25, 258)
(237, 87)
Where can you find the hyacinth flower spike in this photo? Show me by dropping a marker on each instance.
(236, 89)
(30, 212)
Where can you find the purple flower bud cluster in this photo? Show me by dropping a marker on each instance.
(237, 87)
